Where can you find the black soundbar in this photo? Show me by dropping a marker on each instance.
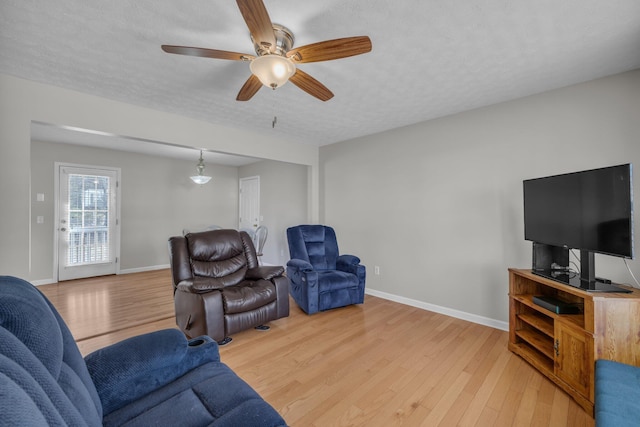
(556, 305)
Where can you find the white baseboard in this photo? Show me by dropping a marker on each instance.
(125, 271)
(481, 320)
(141, 269)
(43, 282)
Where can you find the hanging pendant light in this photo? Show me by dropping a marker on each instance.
(200, 178)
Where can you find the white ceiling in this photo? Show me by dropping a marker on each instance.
(430, 58)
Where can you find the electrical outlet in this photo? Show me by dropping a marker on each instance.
(376, 270)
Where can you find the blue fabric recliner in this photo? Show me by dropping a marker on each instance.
(156, 379)
(321, 278)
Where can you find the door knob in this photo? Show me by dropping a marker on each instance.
(63, 229)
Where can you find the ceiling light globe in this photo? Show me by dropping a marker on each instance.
(273, 70)
(200, 179)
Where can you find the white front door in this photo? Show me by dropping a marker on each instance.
(87, 221)
(249, 203)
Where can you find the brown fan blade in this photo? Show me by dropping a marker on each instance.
(310, 85)
(207, 53)
(257, 18)
(331, 49)
(250, 87)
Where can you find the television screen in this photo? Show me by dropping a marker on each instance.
(590, 210)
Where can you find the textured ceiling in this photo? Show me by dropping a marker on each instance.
(429, 59)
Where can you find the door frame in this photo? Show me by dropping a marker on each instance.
(257, 195)
(56, 212)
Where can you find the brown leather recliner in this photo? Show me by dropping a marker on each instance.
(219, 288)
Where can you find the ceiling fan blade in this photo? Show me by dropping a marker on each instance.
(207, 53)
(257, 18)
(331, 49)
(310, 85)
(250, 87)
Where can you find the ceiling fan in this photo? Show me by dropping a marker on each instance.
(275, 60)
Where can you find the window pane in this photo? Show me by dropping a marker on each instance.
(75, 219)
(101, 219)
(75, 192)
(88, 219)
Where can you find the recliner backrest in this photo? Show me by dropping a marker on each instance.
(39, 355)
(223, 254)
(316, 244)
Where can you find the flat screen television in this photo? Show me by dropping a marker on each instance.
(591, 211)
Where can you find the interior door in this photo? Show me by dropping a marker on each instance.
(87, 221)
(249, 203)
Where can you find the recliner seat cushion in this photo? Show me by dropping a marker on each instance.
(208, 395)
(248, 296)
(333, 280)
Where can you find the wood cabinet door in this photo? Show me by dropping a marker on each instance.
(574, 361)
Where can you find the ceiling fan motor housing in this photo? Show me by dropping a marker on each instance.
(284, 42)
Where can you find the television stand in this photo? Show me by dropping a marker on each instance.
(572, 279)
(564, 347)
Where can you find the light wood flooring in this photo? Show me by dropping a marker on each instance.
(376, 364)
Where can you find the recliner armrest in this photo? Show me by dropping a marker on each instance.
(348, 260)
(264, 272)
(126, 371)
(199, 285)
(351, 264)
(300, 264)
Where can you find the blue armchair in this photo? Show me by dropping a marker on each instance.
(156, 379)
(321, 278)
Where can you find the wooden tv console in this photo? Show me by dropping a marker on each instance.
(564, 347)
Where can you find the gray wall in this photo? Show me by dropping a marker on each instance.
(158, 200)
(438, 205)
(283, 203)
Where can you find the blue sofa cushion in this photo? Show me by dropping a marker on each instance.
(211, 395)
(41, 356)
(617, 394)
(18, 407)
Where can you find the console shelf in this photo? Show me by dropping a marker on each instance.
(564, 347)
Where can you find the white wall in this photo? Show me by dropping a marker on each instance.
(158, 200)
(438, 205)
(283, 190)
(22, 102)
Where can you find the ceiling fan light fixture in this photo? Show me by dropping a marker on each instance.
(272, 70)
(201, 178)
